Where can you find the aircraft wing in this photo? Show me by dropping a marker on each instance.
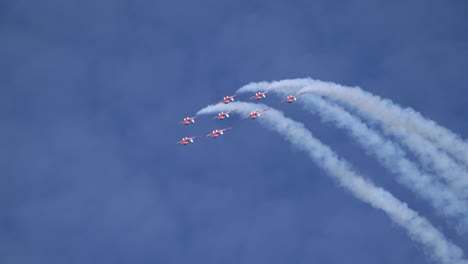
(247, 116)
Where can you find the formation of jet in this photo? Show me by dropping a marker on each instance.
(260, 95)
(188, 120)
(223, 115)
(292, 98)
(186, 140)
(228, 99)
(256, 114)
(217, 132)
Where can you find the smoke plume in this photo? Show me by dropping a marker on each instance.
(419, 228)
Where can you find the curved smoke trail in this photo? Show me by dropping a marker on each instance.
(390, 155)
(418, 227)
(394, 114)
(406, 125)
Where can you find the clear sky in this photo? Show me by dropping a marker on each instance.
(91, 92)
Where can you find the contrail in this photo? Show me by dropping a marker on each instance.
(391, 156)
(408, 126)
(419, 228)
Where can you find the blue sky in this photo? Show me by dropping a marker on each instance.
(92, 91)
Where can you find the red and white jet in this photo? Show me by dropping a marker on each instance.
(228, 99)
(188, 120)
(292, 98)
(223, 115)
(256, 114)
(217, 132)
(260, 95)
(186, 140)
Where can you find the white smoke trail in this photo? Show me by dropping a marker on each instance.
(405, 124)
(391, 156)
(398, 116)
(419, 228)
